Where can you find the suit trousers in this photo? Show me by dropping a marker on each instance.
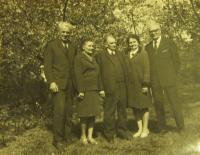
(115, 102)
(172, 96)
(62, 120)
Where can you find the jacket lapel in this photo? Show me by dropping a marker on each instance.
(87, 60)
(161, 44)
(121, 59)
(62, 48)
(70, 51)
(151, 49)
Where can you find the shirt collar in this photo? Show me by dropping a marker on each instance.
(65, 44)
(110, 51)
(134, 51)
(88, 56)
(158, 41)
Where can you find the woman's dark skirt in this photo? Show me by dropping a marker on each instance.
(90, 105)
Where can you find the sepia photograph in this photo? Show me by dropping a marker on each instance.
(99, 77)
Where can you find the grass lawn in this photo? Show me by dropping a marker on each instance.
(37, 141)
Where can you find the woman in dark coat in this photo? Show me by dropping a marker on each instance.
(89, 88)
(139, 77)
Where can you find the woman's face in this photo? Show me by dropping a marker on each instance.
(88, 47)
(133, 43)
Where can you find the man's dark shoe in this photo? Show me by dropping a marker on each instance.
(163, 131)
(59, 146)
(109, 139)
(125, 135)
(70, 140)
(181, 131)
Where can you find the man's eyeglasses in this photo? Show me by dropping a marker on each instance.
(65, 32)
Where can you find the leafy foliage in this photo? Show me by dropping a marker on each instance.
(26, 26)
(182, 20)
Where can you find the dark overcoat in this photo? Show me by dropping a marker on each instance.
(164, 63)
(58, 62)
(87, 74)
(88, 81)
(138, 77)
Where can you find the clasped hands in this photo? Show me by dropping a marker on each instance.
(53, 87)
(145, 90)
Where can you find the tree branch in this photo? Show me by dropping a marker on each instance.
(194, 10)
(133, 23)
(179, 14)
(65, 10)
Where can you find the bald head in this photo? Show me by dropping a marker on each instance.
(154, 30)
(111, 42)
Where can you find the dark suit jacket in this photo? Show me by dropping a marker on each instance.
(58, 63)
(164, 63)
(87, 74)
(107, 69)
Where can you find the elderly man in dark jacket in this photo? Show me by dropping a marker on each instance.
(164, 66)
(58, 65)
(113, 75)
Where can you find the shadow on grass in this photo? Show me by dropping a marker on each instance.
(98, 129)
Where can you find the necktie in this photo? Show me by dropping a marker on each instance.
(66, 45)
(155, 44)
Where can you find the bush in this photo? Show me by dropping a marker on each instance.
(26, 26)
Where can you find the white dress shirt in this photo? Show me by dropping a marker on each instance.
(156, 43)
(111, 52)
(65, 45)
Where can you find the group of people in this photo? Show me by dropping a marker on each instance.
(119, 79)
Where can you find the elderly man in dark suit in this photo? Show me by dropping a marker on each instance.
(58, 65)
(113, 75)
(164, 66)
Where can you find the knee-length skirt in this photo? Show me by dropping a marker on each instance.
(90, 105)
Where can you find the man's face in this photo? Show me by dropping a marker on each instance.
(155, 32)
(111, 43)
(65, 33)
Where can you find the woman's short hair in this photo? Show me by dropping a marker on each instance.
(134, 36)
(84, 40)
